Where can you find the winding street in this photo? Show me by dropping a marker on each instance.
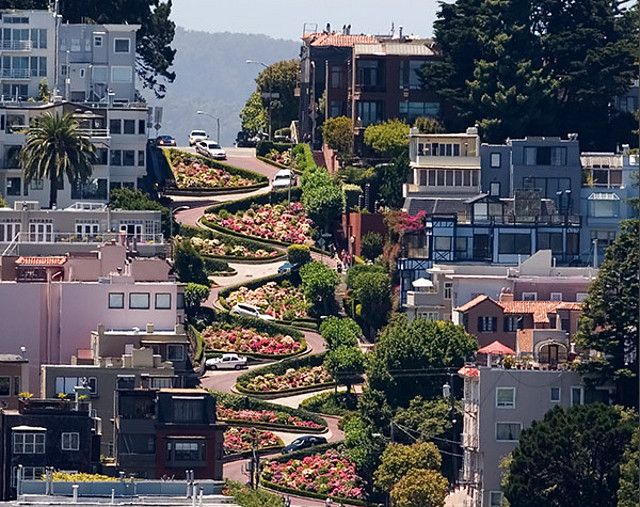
(225, 380)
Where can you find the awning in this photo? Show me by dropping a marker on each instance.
(603, 196)
(28, 428)
(421, 283)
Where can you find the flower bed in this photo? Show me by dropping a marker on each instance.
(278, 222)
(264, 417)
(239, 440)
(224, 338)
(284, 303)
(218, 248)
(307, 376)
(196, 172)
(329, 473)
(280, 157)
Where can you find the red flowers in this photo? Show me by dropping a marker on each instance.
(248, 341)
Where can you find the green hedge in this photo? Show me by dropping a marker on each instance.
(273, 163)
(250, 284)
(188, 231)
(280, 368)
(237, 171)
(260, 326)
(326, 403)
(303, 156)
(212, 265)
(240, 402)
(265, 147)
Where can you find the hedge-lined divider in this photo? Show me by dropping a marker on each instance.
(249, 284)
(240, 402)
(265, 147)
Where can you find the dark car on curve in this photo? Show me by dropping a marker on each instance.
(303, 443)
(165, 141)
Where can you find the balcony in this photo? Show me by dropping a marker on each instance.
(565, 220)
(413, 190)
(16, 45)
(418, 299)
(15, 74)
(441, 162)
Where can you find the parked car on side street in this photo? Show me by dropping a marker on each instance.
(227, 361)
(165, 141)
(244, 140)
(287, 267)
(250, 311)
(283, 179)
(211, 149)
(303, 443)
(197, 135)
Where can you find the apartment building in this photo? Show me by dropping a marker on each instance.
(499, 403)
(52, 304)
(48, 433)
(167, 431)
(27, 229)
(369, 78)
(90, 70)
(448, 286)
(138, 365)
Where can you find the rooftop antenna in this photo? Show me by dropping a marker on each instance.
(393, 29)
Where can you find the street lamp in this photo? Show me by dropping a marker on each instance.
(217, 121)
(270, 84)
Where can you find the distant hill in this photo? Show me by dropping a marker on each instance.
(211, 75)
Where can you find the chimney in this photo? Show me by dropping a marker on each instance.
(149, 328)
(505, 295)
(400, 33)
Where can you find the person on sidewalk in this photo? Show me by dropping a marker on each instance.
(328, 502)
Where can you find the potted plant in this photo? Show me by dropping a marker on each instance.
(509, 362)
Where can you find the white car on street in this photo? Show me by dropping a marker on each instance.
(211, 149)
(197, 135)
(247, 310)
(227, 361)
(283, 179)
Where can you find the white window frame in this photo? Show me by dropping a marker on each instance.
(448, 290)
(581, 296)
(529, 295)
(492, 497)
(493, 156)
(429, 315)
(507, 422)
(581, 402)
(555, 296)
(513, 398)
(98, 40)
(115, 41)
(35, 443)
(29, 473)
(551, 398)
(67, 441)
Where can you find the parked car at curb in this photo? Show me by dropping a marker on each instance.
(165, 141)
(247, 310)
(227, 361)
(211, 149)
(303, 443)
(287, 267)
(283, 179)
(197, 135)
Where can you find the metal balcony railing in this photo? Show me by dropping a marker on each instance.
(16, 45)
(15, 73)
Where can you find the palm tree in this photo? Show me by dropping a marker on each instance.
(56, 147)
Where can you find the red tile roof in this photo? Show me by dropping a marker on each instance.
(477, 300)
(539, 309)
(338, 39)
(41, 261)
(468, 371)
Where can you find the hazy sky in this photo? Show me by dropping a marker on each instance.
(285, 19)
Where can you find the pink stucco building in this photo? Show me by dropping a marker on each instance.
(50, 305)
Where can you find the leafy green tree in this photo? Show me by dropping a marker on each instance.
(254, 115)
(363, 448)
(56, 147)
(319, 283)
(188, 264)
(392, 176)
(339, 332)
(298, 254)
(338, 134)
(358, 269)
(397, 460)
(44, 94)
(346, 364)
(628, 491)
(350, 196)
(420, 488)
(247, 497)
(323, 205)
(429, 418)
(371, 245)
(281, 78)
(571, 458)
(372, 291)
(3, 203)
(422, 348)
(194, 295)
(389, 139)
(609, 319)
(136, 199)
(428, 125)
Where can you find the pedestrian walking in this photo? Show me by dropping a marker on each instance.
(328, 502)
(287, 501)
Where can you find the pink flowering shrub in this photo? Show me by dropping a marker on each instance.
(264, 416)
(273, 299)
(218, 247)
(238, 440)
(283, 158)
(280, 222)
(194, 173)
(330, 473)
(307, 376)
(238, 339)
